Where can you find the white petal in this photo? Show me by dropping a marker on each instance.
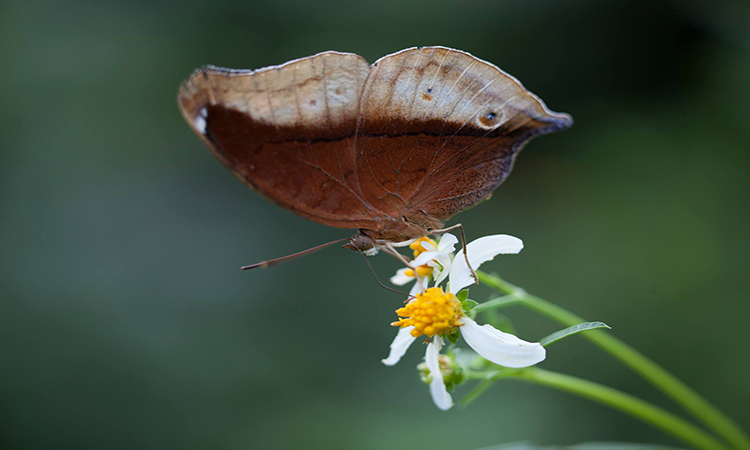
(480, 251)
(427, 245)
(460, 275)
(501, 348)
(399, 346)
(401, 278)
(447, 243)
(439, 393)
(420, 286)
(444, 261)
(424, 258)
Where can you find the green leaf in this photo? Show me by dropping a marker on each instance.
(468, 304)
(463, 295)
(575, 329)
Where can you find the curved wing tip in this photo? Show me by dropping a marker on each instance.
(562, 121)
(551, 122)
(554, 121)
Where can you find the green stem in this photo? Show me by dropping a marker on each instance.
(621, 401)
(652, 372)
(500, 302)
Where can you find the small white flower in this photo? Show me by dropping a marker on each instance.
(436, 313)
(438, 257)
(431, 260)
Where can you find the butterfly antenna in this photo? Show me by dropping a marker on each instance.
(293, 256)
(379, 282)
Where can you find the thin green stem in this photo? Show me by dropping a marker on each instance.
(500, 302)
(477, 391)
(649, 370)
(620, 401)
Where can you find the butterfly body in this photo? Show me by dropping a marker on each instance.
(393, 149)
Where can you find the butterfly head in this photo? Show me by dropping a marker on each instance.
(362, 244)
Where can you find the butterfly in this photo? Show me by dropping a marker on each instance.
(392, 149)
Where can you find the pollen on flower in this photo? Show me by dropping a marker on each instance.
(431, 312)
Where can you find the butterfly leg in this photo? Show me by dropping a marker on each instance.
(381, 283)
(463, 244)
(391, 250)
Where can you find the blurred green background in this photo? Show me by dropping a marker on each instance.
(127, 324)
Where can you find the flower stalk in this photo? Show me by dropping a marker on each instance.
(649, 370)
(605, 395)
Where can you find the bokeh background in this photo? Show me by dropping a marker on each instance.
(127, 324)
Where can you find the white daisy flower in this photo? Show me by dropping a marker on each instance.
(436, 313)
(431, 260)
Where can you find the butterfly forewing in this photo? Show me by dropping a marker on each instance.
(288, 132)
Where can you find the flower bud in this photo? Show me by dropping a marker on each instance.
(452, 371)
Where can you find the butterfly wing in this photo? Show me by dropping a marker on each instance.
(288, 132)
(439, 130)
(392, 149)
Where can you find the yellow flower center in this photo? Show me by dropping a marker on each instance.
(423, 270)
(431, 312)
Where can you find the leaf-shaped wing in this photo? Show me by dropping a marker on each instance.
(288, 132)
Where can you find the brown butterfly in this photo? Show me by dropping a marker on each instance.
(393, 149)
